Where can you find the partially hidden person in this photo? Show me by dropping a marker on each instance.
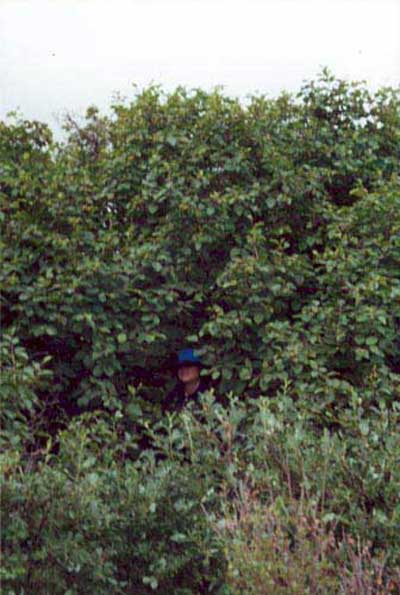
(190, 384)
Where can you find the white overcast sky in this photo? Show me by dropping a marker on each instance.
(58, 55)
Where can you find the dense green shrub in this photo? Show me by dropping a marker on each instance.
(228, 498)
(20, 380)
(90, 520)
(267, 235)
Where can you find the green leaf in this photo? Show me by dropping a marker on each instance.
(245, 373)
(171, 140)
(258, 318)
(134, 410)
(150, 580)
(178, 537)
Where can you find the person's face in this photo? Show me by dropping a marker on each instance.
(188, 373)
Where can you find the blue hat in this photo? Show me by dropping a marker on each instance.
(188, 356)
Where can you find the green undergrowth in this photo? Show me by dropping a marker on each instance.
(252, 497)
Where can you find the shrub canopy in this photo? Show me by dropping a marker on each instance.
(265, 235)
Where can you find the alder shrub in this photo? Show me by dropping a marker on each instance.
(265, 235)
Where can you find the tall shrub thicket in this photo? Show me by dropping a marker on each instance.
(267, 234)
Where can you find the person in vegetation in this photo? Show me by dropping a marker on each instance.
(190, 384)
